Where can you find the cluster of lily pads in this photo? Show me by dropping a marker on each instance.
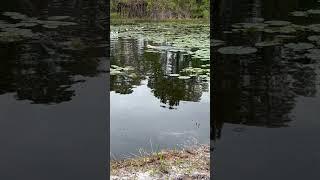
(190, 72)
(274, 26)
(307, 13)
(127, 71)
(279, 33)
(18, 31)
(171, 37)
(193, 40)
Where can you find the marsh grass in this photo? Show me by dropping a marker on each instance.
(180, 161)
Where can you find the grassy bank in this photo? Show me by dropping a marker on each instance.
(115, 19)
(190, 163)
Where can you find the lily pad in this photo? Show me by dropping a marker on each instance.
(284, 37)
(314, 11)
(315, 38)
(8, 37)
(299, 46)
(278, 23)
(54, 18)
(314, 27)
(216, 43)
(299, 14)
(50, 26)
(237, 50)
(313, 54)
(26, 24)
(267, 43)
(15, 15)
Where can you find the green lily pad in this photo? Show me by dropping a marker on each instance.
(314, 27)
(315, 38)
(278, 23)
(237, 50)
(55, 18)
(313, 11)
(313, 54)
(299, 46)
(8, 37)
(299, 14)
(50, 26)
(267, 43)
(216, 43)
(284, 37)
(15, 15)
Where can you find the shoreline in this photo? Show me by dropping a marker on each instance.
(189, 163)
(116, 20)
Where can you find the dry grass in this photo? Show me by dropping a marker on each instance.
(189, 163)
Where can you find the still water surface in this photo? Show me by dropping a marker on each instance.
(149, 109)
(53, 85)
(266, 104)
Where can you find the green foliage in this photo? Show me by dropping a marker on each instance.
(168, 9)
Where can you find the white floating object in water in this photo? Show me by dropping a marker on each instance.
(174, 75)
(184, 77)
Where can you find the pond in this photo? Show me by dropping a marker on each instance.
(160, 87)
(266, 96)
(53, 84)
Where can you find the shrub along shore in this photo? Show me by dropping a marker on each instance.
(189, 163)
(117, 20)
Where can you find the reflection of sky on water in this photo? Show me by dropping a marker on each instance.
(153, 111)
(53, 99)
(138, 117)
(265, 116)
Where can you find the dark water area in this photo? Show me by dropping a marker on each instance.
(149, 110)
(266, 104)
(53, 89)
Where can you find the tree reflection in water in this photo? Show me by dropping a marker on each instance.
(43, 70)
(154, 67)
(258, 89)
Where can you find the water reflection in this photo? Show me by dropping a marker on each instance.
(154, 67)
(54, 106)
(151, 110)
(261, 92)
(260, 88)
(43, 69)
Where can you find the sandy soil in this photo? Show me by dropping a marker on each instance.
(189, 163)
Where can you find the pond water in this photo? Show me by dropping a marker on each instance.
(266, 96)
(53, 90)
(160, 90)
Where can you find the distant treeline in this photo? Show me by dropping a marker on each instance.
(161, 9)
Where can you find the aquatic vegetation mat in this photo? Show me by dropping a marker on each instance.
(24, 30)
(183, 51)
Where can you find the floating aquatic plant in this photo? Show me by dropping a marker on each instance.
(299, 13)
(15, 15)
(267, 43)
(299, 46)
(237, 50)
(278, 23)
(215, 42)
(315, 38)
(313, 11)
(313, 54)
(55, 18)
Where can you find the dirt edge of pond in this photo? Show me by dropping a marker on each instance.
(190, 163)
